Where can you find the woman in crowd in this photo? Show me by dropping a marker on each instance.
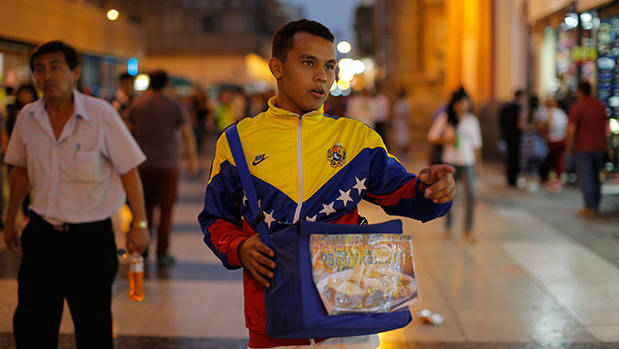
(458, 131)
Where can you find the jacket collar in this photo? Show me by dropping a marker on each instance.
(278, 112)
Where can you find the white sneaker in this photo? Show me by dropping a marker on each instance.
(521, 183)
(532, 186)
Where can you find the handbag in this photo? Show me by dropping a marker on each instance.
(294, 308)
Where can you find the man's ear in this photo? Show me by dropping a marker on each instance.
(76, 73)
(276, 66)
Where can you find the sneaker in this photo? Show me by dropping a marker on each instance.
(165, 260)
(532, 186)
(555, 186)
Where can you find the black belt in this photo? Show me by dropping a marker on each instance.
(62, 227)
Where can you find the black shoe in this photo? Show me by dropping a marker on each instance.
(165, 260)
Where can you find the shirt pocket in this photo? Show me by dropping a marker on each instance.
(83, 167)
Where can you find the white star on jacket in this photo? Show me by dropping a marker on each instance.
(344, 196)
(311, 219)
(327, 209)
(360, 186)
(268, 218)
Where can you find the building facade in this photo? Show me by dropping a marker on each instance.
(105, 46)
(208, 42)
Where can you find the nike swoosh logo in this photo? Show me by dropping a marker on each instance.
(260, 158)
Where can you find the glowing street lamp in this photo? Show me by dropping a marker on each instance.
(343, 47)
(141, 82)
(112, 15)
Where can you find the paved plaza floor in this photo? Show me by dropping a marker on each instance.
(537, 276)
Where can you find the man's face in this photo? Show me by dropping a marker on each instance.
(53, 76)
(127, 86)
(305, 78)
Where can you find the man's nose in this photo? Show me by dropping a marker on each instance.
(321, 75)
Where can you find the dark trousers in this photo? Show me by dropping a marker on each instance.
(588, 164)
(78, 265)
(160, 190)
(555, 159)
(512, 162)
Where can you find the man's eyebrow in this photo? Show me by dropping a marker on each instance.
(306, 56)
(52, 61)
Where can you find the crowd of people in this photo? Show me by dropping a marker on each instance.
(543, 142)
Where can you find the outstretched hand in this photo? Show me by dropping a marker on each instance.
(440, 182)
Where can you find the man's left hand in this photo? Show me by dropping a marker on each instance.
(440, 182)
(137, 240)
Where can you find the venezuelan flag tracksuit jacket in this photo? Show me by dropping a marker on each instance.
(312, 167)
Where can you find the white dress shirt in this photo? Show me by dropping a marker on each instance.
(74, 179)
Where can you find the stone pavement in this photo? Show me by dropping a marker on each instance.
(536, 277)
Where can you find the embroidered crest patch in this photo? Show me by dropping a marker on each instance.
(336, 155)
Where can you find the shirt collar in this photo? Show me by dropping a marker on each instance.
(78, 106)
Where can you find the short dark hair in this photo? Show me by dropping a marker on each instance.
(585, 88)
(125, 76)
(519, 93)
(283, 40)
(70, 55)
(158, 79)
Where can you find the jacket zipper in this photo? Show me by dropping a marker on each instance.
(297, 212)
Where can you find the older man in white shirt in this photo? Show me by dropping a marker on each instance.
(80, 160)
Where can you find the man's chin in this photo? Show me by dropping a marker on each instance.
(313, 107)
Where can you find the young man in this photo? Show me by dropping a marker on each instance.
(306, 166)
(80, 160)
(586, 139)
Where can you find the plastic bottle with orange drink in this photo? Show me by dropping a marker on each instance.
(135, 274)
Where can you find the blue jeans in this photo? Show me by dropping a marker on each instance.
(469, 192)
(588, 164)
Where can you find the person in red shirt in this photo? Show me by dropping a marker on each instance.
(586, 141)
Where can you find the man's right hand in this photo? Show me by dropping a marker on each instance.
(257, 258)
(11, 238)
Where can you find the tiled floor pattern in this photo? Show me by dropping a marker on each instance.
(532, 280)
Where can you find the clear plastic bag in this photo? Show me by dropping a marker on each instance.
(363, 273)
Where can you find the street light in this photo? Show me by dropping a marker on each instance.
(141, 82)
(112, 15)
(343, 46)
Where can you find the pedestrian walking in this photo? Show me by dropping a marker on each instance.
(401, 124)
(459, 133)
(510, 135)
(586, 140)
(158, 121)
(381, 110)
(306, 166)
(25, 94)
(554, 123)
(533, 147)
(79, 159)
(124, 95)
